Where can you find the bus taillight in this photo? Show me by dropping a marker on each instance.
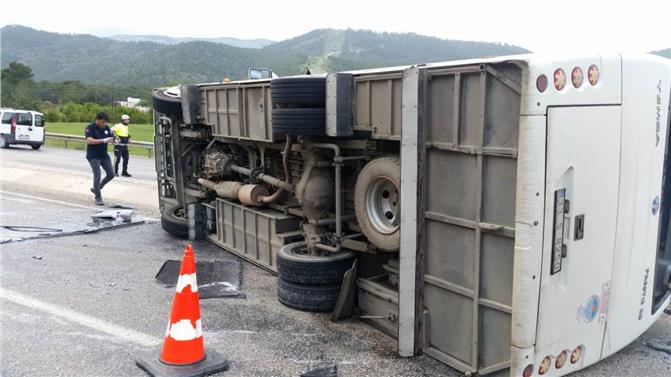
(528, 371)
(559, 79)
(542, 83)
(593, 74)
(577, 77)
(561, 359)
(545, 365)
(576, 354)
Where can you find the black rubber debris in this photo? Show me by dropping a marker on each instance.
(121, 206)
(215, 279)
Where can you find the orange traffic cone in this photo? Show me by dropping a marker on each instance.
(183, 352)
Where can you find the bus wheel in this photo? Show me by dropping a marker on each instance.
(295, 265)
(173, 221)
(311, 298)
(167, 101)
(377, 202)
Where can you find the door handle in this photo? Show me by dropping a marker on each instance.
(579, 230)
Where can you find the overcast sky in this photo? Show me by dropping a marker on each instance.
(570, 25)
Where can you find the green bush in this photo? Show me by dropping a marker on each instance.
(86, 112)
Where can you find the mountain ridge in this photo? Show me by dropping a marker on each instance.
(91, 59)
(235, 42)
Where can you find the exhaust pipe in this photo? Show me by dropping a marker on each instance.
(225, 189)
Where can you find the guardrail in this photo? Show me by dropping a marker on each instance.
(80, 139)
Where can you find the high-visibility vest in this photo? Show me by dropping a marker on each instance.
(121, 131)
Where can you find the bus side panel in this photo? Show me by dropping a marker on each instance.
(645, 98)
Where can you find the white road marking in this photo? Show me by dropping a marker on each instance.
(3, 192)
(116, 331)
(48, 200)
(26, 201)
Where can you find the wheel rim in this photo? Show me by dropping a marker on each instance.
(300, 250)
(383, 204)
(173, 92)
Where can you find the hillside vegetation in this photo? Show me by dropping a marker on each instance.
(90, 59)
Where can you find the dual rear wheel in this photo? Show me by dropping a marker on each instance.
(310, 283)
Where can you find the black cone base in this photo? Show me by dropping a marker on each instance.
(213, 363)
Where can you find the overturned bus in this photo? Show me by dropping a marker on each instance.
(506, 216)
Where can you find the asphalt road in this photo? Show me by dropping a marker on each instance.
(87, 305)
(65, 175)
(71, 160)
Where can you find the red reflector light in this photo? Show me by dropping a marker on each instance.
(559, 79)
(576, 354)
(545, 365)
(593, 74)
(577, 77)
(528, 370)
(542, 83)
(561, 359)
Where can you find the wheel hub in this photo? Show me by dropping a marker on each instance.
(383, 204)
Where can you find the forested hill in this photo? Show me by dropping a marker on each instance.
(90, 59)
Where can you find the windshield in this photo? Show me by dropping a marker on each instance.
(663, 262)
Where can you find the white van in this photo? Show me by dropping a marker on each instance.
(21, 127)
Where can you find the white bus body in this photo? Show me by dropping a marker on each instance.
(534, 213)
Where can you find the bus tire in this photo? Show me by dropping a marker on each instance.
(299, 90)
(166, 104)
(292, 266)
(309, 298)
(301, 122)
(173, 221)
(377, 202)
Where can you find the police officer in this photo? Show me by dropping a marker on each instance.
(121, 148)
(98, 135)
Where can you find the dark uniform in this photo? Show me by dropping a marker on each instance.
(97, 156)
(121, 149)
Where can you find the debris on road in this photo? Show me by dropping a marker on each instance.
(330, 371)
(20, 223)
(123, 215)
(215, 279)
(32, 229)
(121, 206)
